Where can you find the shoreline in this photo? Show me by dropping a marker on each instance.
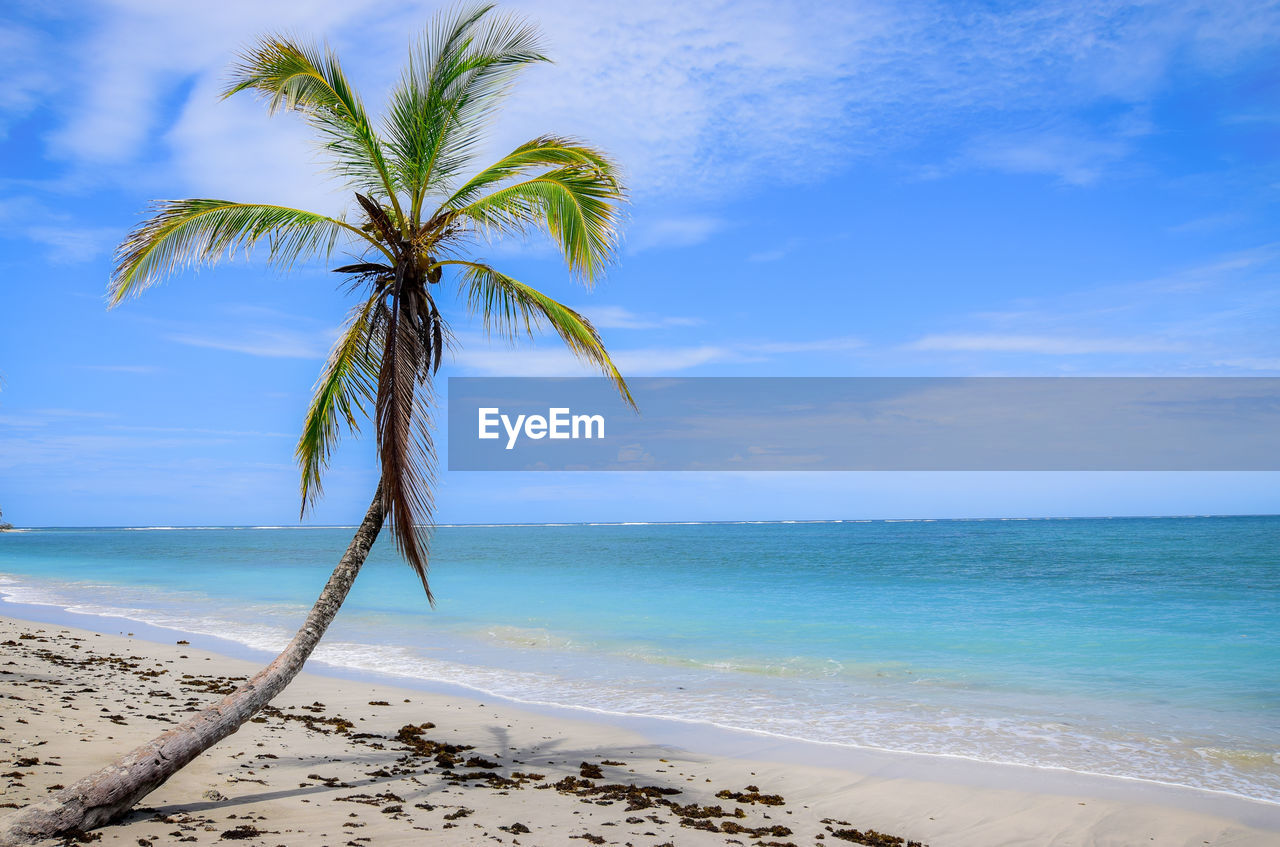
(708, 736)
(711, 738)
(864, 773)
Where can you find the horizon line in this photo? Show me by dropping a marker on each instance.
(729, 522)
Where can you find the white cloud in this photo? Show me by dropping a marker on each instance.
(41, 418)
(1251, 364)
(643, 362)
(66, 239)
(234, 150)
(664, 361)
(649, 361)
(24, 75)
(251, 330)
(663, 233)
(1075, 159)
(1251, 118)
(1039, 344)
(1226, 269)
(145, 50)
(1218, 313)
(268, 343)
(187, 430)
(69, 244)
(519, 362)
(693, 98)
(1209, 223)
(818, 345)
(616, 317)
(703, 97)
(126, 369)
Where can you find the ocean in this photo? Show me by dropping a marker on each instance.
(1146, 648)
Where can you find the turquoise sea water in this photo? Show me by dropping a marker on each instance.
(1146, 648)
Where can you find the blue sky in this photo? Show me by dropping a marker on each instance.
(842, 189)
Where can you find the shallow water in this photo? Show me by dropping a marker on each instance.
(1147, 648)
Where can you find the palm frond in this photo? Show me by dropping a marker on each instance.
(199, 232)
(364, 269)
(510, 306)
(578, 206)
(349, 381)
(547, 151)
(405, 446)
(309, 80)
(454, 81)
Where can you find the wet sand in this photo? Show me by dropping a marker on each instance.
(345, 762)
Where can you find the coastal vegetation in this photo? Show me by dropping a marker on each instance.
(421, 210)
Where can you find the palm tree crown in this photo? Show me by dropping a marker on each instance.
(422, 209)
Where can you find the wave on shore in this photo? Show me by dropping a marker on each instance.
(544, 671)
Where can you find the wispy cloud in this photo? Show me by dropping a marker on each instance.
(187, 430)
(1268, 117)
(671, 360)
(695, 98)
(269, 343)
(1251, 364)
(680, 231)
(72, 413)
(1219, 312)
(1075, 159)
(125, 369)
(818, 345)
(616, 317)
(251, 330)
(647, 361)
(705, 97)
(207, 145)
(65, 239)
(552, 362)
(1208, 223)
(69, 244)
(41, 418)
(1039, 344)
(24, 75)
(519, 362)
(143, 51)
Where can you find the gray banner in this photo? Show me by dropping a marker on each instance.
(848, 424)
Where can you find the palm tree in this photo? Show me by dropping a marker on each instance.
(419, 220)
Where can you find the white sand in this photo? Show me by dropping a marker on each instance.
(62, 704)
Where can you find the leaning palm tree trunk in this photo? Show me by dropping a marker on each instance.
(392, 344)
(111, 792)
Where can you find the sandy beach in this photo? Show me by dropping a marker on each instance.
(339, 762)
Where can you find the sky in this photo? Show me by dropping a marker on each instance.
(817, 189)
